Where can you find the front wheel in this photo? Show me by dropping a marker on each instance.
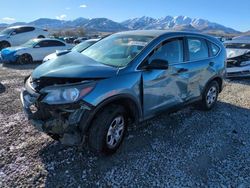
(108, 129)
(24, 59)
(210, 96)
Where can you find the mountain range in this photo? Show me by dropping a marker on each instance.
(181, 23)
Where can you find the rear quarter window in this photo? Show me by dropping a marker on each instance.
(197, 49)
(214, 49)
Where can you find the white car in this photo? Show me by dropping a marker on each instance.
(238, 57)
(33, 50)
(15, 36)
(78, 48)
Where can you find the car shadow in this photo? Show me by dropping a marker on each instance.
(166, 137)
(2, 88)
(22, 67)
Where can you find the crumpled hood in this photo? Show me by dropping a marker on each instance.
(73, 65)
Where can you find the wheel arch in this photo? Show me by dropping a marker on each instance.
(127, 101)
(218, 79)
(5, 41)
(24, 53)
(41, 37)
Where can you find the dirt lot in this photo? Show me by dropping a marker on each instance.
(189, 148)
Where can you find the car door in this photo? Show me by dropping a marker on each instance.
(28, 33)
(21, 35)
(163, 89)
(198, 65)
(41, 49)
(46, 47)
(16, 37)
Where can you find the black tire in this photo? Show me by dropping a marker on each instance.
(98, 138)
(41, 37)
(25, 59)
(4, 44)
(209, 101)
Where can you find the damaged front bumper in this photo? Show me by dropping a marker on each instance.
(243, 71)
(58, 121)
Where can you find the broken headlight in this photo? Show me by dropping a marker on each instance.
(65, 95)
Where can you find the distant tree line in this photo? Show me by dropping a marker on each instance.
(79, 32)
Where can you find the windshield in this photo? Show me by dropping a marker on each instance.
(30, 43)
(6, 31)
(117, 50)
(82, 46)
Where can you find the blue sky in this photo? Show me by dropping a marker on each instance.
(231, 13)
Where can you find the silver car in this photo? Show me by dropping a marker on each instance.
(92, 97)
(238, 57)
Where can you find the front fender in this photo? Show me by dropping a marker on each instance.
(127, 84)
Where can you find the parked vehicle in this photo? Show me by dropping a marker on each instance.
(15, 36)
(33, 50)
(70, 40)
(127, 77)
(238, 58)
(80, 39)
(78, 48)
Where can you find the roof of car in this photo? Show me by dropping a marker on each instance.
(42, 39)
(19, 26)
(93, 40)
(157, 33)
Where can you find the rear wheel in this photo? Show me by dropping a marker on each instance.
(108, 129)
(4, 44)
(24, 59)
(210, 96)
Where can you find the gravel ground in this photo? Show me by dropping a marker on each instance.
(189, 148)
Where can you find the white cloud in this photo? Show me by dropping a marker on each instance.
(83, 6)
(61, 17)
(67, 8)
(8, 19)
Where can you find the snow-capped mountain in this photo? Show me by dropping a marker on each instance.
(183, 22)
(103, 24)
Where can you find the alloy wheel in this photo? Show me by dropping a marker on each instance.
(115, 132)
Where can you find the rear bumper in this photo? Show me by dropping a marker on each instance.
(238, 72)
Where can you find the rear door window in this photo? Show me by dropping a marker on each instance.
(197, 49)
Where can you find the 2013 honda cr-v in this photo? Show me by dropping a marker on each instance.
(127, 77)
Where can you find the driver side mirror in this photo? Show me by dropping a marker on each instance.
(37, 46)
(158, 64)
(13, 33)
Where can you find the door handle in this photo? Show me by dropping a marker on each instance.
(182, 70)
(211, 63)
